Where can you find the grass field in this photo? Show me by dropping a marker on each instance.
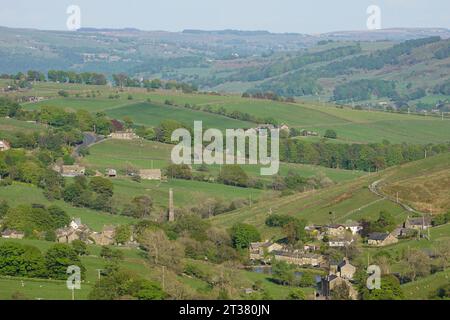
(44, 289)
(425, 184)
(147, 154)
(423, 288)
(152, 114)
(20, 193)
(74, 104)
(347, 200)
(186, 193)
(350, 200)
(9, 127)
(352, 126)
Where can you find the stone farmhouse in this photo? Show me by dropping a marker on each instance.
(78, 231)
(12, 234)
(343, 269)
(335, 230)
(331, 282)
(421, 223)
(104, 238)
(339, 242)
(74, 231)
(124, 135)
(150, 174)
(381, 239)
(307, 133)
(70, 171)
(111, 173)
(259, 250)
(4, 145)
(299, 258)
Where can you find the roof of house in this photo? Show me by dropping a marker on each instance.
(343, 263)
(335, 226)
(378, 236)
(331, 277)
(9, 232)
(419, 221)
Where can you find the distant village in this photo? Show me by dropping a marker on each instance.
(334, 236)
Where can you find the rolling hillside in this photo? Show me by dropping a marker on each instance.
(352, 126)
(424, 185)
(346, 201)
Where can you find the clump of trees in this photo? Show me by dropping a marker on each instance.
(293, 228)
(385, 223)
(36, 221)
(122, 284)
(19, 260)
(95, 193)
(61, 76)
(243, 234)
(364, 89)
(365, 157)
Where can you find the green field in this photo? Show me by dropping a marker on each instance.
(352, 126)
(74, 104)
(186, 193)
(152, 114)
(118, 154)
(20, 193)
(9, 127)
(423, 288)
(44, 289)
(348, 201)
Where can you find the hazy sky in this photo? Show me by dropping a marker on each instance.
(303, 16)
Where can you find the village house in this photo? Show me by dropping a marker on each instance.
(331, 282)
(339, 242)
(4, 145)
(70, 171)
(124, 135)
(421, 223)
(112, 173)
(381, 239)
(74, 231)
(284, 127)
(311, 247)
(354, 227)
(307, 133)
(150, 174)
(336, 230)
(343, 269)
(258, 250)
(12, 234)
(32, 99)
(299, 258)
(104, 238)
(315, 231)
(401, 232)
(264, 128)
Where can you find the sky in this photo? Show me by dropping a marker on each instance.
(300, 16)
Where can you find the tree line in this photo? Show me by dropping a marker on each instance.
(366, 157)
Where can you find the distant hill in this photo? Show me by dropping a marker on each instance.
(394, 34)
(394, 66)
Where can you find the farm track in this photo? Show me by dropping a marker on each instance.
(374, 189)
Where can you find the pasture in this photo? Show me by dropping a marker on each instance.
(352, 126)
(144, 154)
(20, 193)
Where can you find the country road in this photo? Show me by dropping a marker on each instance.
(89, 139)
(374, 189)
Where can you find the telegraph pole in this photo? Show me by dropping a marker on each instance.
(163, 278)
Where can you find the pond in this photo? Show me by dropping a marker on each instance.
(268, 270)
